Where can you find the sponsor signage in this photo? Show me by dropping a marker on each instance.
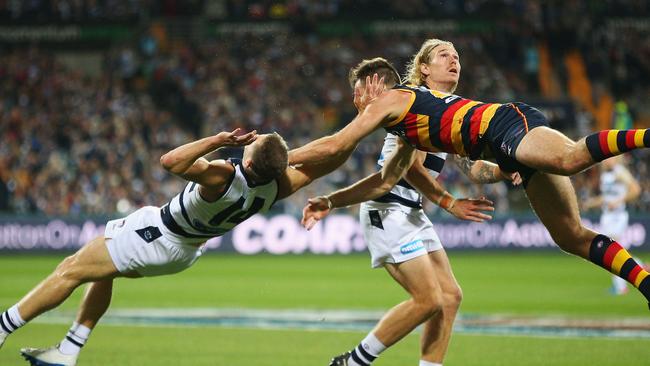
(282, 234)
(64, 33)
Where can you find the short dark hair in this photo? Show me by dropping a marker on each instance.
(377, 65)
(270, 158)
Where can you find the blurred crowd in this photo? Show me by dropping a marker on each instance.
(130, 10)
(76, 143)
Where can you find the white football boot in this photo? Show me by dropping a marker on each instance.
(3, 336)
(48, 357)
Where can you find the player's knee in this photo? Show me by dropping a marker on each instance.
(571, 163)
(430, 303)
(569, 166)
(453, 297)
(572, 238)
(68, 272)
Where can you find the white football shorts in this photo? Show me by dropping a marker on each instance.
(140, 242)
(614, 224)
(395, 233)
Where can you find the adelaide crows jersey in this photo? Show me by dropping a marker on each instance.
(190, 216)
(443, 122)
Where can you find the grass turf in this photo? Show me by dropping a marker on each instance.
(532, 283)
(131, 346)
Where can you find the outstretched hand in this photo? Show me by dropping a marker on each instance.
(236, 138)
(472, 209)
(315, 210)
(365, 95)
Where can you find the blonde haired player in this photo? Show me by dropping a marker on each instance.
(515, 134)
(402, 240)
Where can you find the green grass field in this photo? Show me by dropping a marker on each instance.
(526, 283)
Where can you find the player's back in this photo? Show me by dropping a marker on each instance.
(443, 122)
(195, 220)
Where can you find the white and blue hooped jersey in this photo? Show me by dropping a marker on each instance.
(194, 219)
(612, 189)
(403, 193)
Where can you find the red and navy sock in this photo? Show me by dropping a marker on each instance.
(608, 143)
(610, 255)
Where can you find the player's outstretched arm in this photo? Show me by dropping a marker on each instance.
(187, 161)
(292, 180)
(371, 187)
(339, 146)
(485, 172)
(463, 208)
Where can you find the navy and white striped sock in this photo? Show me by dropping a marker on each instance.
(11, 320)
(366, 352)
(75, 339)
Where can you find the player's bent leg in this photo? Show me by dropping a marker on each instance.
(562, 219)
(554, 201)
(437, 329)
(550, 151)
(91, 263)
(418, 278)
(95, 302)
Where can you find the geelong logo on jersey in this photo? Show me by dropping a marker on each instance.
(411, 247)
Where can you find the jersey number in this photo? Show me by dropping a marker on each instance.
(234, 213)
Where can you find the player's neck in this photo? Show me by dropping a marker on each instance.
(443, 87)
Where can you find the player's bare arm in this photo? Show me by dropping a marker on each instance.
(484, 172)
(371, 187)
(386, 108)
(187, 161)
(292, 180)
(462, 208)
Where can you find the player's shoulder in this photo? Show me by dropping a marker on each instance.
(408, 86)
(223, 167)
(422, 91)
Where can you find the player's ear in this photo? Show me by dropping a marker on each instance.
(424, 70)
(248, 162)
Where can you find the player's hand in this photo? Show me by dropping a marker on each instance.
(365, 95)
(472, 209)
(317, 208)
(236, 138)
(514, 178)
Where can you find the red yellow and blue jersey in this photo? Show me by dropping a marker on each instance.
(437, 121)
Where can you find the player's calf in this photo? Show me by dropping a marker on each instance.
(608, 143)
(610, 255)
